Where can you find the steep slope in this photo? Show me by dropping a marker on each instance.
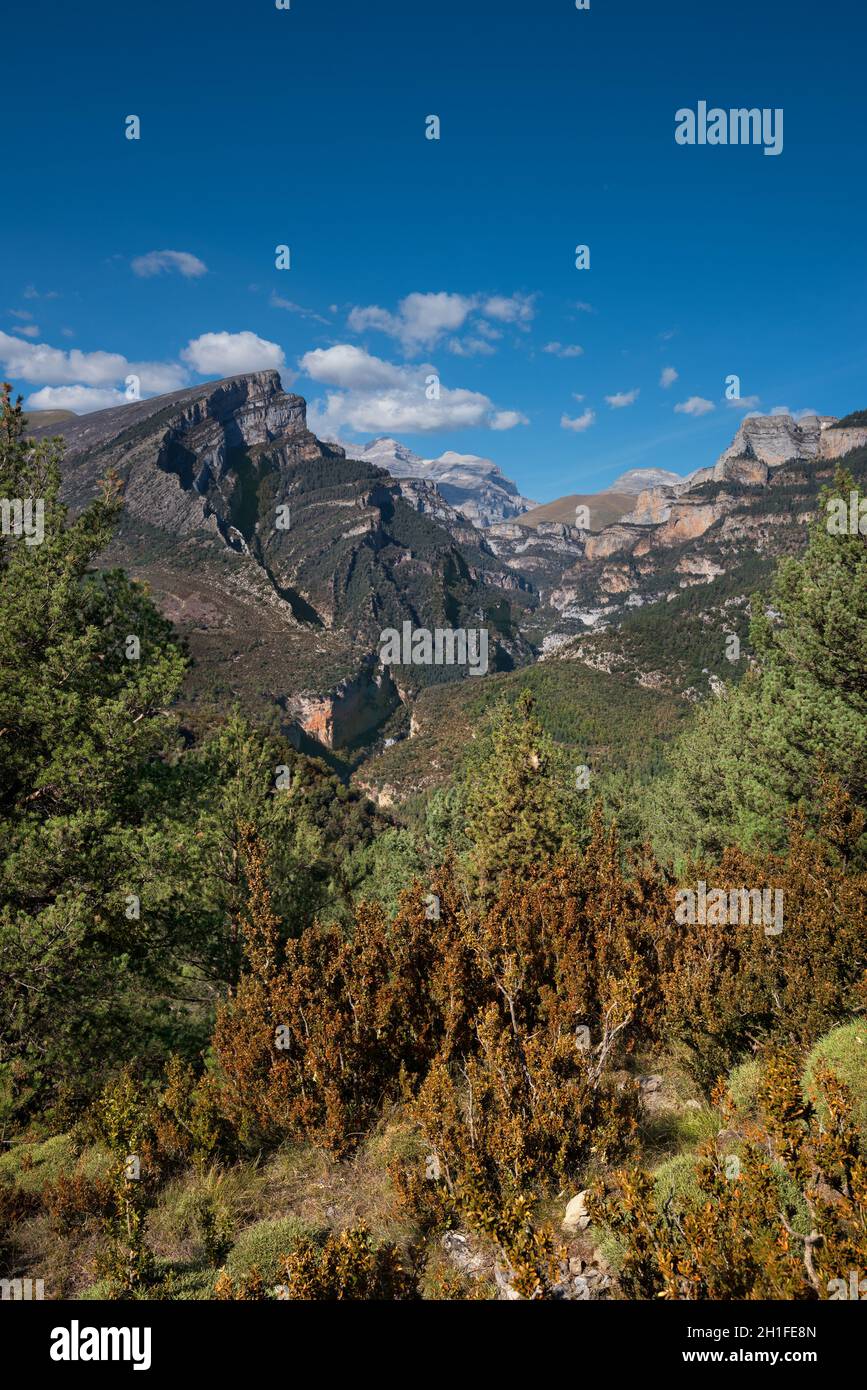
(606, 721)
(281, 560)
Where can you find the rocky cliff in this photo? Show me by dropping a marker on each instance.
(280, 559)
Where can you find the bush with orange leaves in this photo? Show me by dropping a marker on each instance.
(503, 1026)
(345, 1267)
(729, 988)
(740, 1236)
(565, 964)
(323, 1029)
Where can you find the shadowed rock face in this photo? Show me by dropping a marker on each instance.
(280, 559)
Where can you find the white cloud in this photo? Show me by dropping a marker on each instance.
(29, 330)
(584, 307)
(155, 262)
(795, 414)
(37, 362)
(421, 320)
(362, 317)
(21, 314)
(623, 398)
(668, 378)
(48, 366)
(390, 411)
(224, 354)
(696, 405)
(516, 308)
(564, 349)
(507, 419)
(578, 422)
(85, 372)
(278, 302)
(743, 403)
(378, 397)
(351, 367)
(95, 379)
(158, 377)
(426, 316)
(81, 399)
(470, 347)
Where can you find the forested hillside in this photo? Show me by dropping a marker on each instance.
(572, 1005)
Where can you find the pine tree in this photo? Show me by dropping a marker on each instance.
(763, 749)
(87, 669)
(521, 807)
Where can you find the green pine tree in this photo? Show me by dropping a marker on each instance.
(87, 670)
(760, 751)
(522, 804)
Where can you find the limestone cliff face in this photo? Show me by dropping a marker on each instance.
(837, 441)
(668, 515)
(353, 709)
(754, 501)
(651, 507)
(776, 439)
(613, 540)
(686, 521)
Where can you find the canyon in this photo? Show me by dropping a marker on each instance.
(289, 619)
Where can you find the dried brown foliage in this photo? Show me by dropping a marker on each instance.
(729, 988)
(792, 1220)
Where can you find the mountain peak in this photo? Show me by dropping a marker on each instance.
(473, 485)
(636, 480)
(252, 406)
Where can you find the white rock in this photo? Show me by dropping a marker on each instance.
(576, 1216)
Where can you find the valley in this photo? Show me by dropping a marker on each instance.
(288, 621)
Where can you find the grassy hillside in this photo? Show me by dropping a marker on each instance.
(605, 508)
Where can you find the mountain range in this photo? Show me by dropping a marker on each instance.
(474, 486)
(282, 559)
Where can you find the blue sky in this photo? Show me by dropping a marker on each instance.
(410, 256)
